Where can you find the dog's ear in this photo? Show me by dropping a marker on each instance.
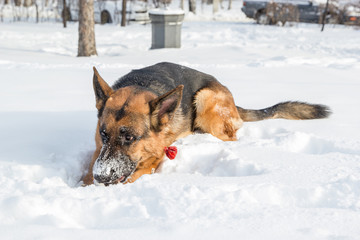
(163, 108)
(102, 90)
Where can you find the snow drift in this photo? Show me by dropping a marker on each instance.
(280, 180)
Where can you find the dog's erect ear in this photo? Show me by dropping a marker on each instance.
(163, 108)
(102, 90)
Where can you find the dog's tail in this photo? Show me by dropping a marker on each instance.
(286, 110)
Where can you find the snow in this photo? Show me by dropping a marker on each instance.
(280, 180)
(158, 11)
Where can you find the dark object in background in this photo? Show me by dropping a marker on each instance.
(270, 13)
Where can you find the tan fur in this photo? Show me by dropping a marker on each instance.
(216, 113)
(150, 151)
(286, 110)
(159, 120)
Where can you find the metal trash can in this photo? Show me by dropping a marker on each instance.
(166, 28)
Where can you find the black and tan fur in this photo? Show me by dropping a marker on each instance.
(150, 108)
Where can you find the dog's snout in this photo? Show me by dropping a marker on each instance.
(113, 170)
(102, 179)
(106, 170)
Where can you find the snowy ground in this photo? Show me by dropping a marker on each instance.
(280, 180)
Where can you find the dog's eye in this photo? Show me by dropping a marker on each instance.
(128, 138)
(125, 135)
(104, 137)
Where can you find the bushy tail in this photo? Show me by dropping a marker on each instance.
(286, 110)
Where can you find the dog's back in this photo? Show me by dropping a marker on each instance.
(163, 77)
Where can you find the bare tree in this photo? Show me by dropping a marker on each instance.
(192, 6)
(324, 15)
(279, 12)
(123, 13)
(64, 13)
(27, 3)
(230, 5)
(332, 12)
(215, 6)
(86, 45)
(182, 4)
(37, 10)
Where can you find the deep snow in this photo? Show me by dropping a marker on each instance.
(280, 180)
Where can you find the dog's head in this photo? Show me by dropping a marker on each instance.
(134, 127)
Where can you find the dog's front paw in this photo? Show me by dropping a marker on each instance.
(87, 180)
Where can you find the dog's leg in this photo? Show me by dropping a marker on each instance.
(216, 113)
(89, 178)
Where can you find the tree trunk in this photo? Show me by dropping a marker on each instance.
(324, 15)
(17, 3)
(27, 3)
(230, 5)
(37, 11)
(65, 13)
(192, 6)
(86, 45)
(215, 6)
(182, 4)
(123, 13)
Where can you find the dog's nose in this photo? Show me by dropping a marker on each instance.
(113, 170)
(106, 171)
(101, 178)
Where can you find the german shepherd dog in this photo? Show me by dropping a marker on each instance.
(150, 108)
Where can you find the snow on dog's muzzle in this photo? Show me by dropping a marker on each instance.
(113, 170)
